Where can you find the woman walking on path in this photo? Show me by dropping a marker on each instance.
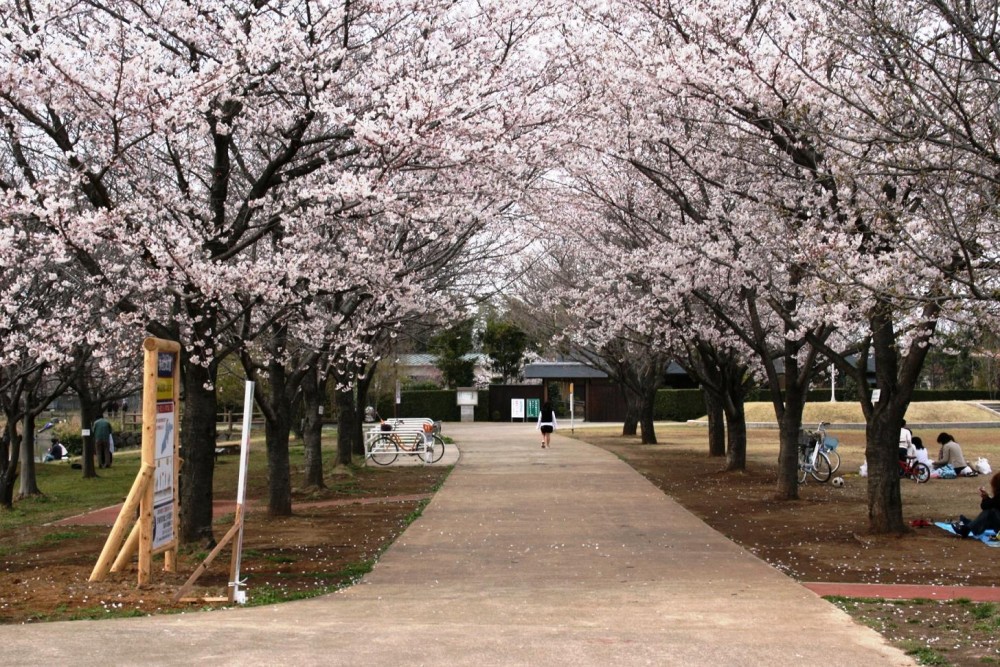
(546, 423)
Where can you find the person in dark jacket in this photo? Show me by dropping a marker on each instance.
(102, 438)
(989, 517)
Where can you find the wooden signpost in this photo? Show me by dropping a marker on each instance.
(154, 491)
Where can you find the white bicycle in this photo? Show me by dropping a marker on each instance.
(813, 459)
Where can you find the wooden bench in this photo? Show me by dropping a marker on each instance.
(227, 447)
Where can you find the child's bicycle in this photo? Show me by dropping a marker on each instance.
(914, 469)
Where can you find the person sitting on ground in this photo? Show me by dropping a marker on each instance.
(56, 452)
(989, 517)
(920, 452)
(951, 455)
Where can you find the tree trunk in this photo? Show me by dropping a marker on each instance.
(10, 452)
(716, 425)
(279, 479)
(312, 432)
(29, 482)
(345, 426)
(197, 453)
(885, 419)
(734, 376)
(885, 503)
(790, 425)
(631, 425)
(646, 407)
(736, 435)
(788, 459)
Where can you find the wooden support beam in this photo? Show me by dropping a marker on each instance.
(226, 539)
(111, 546)
(128, 551)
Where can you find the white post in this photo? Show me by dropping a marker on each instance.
(240, 596)
(833, 383)
(572, 418)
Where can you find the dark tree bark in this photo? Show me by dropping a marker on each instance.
(724, 378)
(10, 452)
(630, 426)
(896, 381)
(736, 435)
(197, 453)
(716, 423)
(312, 431)
(647, 405)
(345, 426)
(29, 482)
(279, 476)
(789, 414)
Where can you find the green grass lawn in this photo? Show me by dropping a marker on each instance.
(65, 492)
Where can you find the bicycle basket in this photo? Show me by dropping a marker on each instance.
(830, 442)
(385, 427)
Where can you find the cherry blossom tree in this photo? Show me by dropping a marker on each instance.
(765, 135)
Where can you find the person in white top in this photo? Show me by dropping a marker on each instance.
(920, 452)
(905, 442)
(546, 423)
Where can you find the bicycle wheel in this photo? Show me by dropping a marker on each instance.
(803, 465)
(834, 459)
(384, 451)
(921, 472)
(437, 449)
(822, 471)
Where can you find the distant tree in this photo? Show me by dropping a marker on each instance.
(506, 344)
(453, 347)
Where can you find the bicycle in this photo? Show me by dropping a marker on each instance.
(388, 445)
(913, 469)
(812, 459)
(829, 445)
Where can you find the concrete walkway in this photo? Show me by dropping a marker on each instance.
(562, 556)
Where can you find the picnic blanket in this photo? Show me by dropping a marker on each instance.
(985, 538)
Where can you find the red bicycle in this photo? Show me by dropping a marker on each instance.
(914, 469)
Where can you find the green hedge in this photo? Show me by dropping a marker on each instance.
(919, 395)
(953, 395)
(678, 405)
(437, 404)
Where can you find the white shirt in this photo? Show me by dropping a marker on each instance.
(923, 457)
(905, 438)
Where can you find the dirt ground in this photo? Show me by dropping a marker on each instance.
(327, 544)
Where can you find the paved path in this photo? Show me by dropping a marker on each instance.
(564, 556)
